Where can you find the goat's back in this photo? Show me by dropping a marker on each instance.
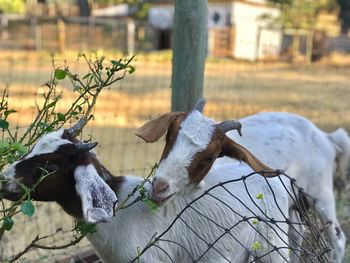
(291, 143)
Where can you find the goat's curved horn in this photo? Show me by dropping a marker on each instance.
(76, 128)
(85, 147)
(200, 105)
(226, 126)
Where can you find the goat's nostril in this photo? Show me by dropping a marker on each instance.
(160, 186)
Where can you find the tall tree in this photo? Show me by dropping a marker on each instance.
(12, 7)
(301, 14)
(301, 17)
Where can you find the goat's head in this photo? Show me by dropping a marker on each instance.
(193, 143)
(60, 168)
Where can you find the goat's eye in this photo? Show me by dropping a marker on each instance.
(209, 159)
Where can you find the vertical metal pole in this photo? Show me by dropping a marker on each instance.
(189, 52)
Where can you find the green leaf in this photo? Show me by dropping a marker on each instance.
(260, 196)
(60, 117)
(4, 124)
(60, 74)
(51, 104)
(20, 148)
(10, 158)
(87, 75)
(84, 228)
(132, 69)
(7, 224)
(118, 64)
(256, 246)
(8, 112)
(151, 205)
(255, 221)
(27, 208)
(4, 145)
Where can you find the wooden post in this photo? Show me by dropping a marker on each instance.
(130, 38)
(61, 30)
(38, 37)
(4, 27)
(309, 46)
(189, 53)
(296, 46)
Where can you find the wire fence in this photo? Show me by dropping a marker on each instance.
(233, 89)
(271, 241)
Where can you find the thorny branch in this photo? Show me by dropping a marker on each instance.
(35, 244)
(102, 74)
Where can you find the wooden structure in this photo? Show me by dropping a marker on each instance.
(223, 41)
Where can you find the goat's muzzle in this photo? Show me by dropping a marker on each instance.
(9, 192)
(161, 191)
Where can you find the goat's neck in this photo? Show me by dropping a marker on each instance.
(114, 182)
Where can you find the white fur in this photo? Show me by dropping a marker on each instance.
(194, 136)
(198, 129)
(341, 142)
(49, 143)
(91, 189)
(294, 144)
(133, 228)
(9, 176)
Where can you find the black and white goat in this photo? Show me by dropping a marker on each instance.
(85, 189)
(281, 140)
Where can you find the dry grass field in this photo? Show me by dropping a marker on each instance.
(233, 89)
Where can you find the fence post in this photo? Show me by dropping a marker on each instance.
(3, 26)
(61, 30)
(38, 37)
(189, 53)
(130, 38)
(309, 46)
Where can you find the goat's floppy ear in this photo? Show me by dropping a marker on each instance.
(234, 150)
(154, 129)
(97, 199)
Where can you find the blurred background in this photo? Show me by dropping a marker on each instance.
(278, 55)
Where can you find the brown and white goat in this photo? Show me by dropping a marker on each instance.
(70, 175)
(283, 141)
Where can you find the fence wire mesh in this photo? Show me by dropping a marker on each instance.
(274, 241)
(234, 89)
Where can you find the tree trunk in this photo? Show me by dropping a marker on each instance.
(189, 53)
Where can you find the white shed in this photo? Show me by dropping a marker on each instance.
(255, 37)
(236, 28)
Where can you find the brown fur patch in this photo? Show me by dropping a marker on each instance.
(203, 161)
